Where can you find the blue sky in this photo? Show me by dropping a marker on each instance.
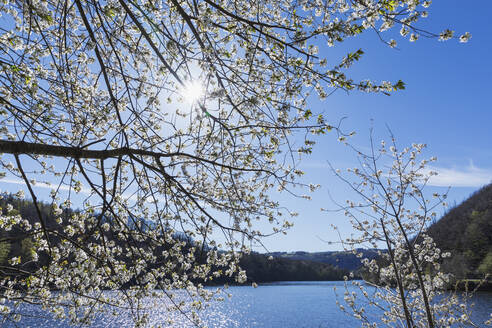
(446, 105)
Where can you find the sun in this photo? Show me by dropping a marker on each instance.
(192, 91)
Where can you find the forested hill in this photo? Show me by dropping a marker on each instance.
(261, 268)
(466, 232)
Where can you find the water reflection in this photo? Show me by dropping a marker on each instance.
(284, 305)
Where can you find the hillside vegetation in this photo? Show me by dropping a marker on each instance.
(262, 269)
(466, 232)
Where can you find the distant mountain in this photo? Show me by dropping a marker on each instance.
(341, 259)
(466, 232)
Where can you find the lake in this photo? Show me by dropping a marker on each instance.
(283, 305)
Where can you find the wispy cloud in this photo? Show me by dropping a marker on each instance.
(470, 176)
(43, 185)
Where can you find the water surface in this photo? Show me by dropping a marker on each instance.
(282, 305)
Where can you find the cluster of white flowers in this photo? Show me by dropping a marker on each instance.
(91, 104)
(394, 212)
